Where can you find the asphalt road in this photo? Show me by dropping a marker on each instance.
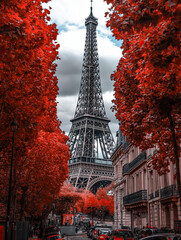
(77, 237)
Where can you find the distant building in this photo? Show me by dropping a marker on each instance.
(141, 196)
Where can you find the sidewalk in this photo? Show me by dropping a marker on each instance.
(34, 238)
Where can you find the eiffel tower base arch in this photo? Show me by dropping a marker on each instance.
(86, 176)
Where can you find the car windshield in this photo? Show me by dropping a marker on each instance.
(123, 234)
(104, 231)
(148, 232)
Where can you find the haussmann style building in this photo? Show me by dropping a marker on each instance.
(142, 196)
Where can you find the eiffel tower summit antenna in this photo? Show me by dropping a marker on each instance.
(91, 6)
(90, 139)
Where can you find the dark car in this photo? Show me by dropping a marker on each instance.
(121, 234)
(99, 228)
(147, 232)
(103, 234)
(90, 231)
(163, 236)
(165, 230)
(52, 233)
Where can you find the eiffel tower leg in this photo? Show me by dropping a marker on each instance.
(89, 179)
(77, 178)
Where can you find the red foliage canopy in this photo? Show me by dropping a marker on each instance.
(147, 81)
(28, 90)
(90, 202)
(100, 203)
(71, 201)
(68, 199)
(106, 200)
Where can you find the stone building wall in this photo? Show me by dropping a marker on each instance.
(141, 195)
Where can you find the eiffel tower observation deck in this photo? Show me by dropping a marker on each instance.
(91, 141)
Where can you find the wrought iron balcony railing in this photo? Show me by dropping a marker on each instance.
(139, 159)
(151, 196)
(157, 193)
(135, 197)
(168, 191)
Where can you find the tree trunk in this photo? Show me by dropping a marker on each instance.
(22, 201)
(172, 127)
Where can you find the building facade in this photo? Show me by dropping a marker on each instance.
(142, 196)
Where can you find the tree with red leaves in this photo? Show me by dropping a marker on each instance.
(67, 199)
(91, 204)
(99, 205)
(106, 202)
(70, 201)
(147, 81)
(41, 174)
(28, 91)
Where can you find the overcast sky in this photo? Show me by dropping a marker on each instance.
(69, 15)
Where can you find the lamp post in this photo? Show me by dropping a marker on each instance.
(14, 127)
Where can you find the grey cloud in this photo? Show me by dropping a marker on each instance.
(69, 63)
(106, 69)
(69, 85)
(65, 117)
(114, 128)
(69, 74)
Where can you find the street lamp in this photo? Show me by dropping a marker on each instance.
(14, 127)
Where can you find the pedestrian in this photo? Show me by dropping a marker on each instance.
(30, 232)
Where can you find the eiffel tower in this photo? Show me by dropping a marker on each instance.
(90, 139)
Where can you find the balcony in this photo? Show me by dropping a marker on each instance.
(157, 193)
(137, 197)
(151, 196)
(128, 167)
(169, 191)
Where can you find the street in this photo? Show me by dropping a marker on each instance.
(77, 237)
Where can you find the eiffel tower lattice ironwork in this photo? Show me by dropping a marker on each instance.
(91, 141)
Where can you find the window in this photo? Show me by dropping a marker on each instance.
(153, 215)
(137, 182)
(158, 215)
(165, 179)
(133, 187)
(132, 155)
(157, 181)
(144, 179)
(117, 170)
(151, 181)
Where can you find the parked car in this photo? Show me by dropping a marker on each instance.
(103, 233)
(163, 236)
(52, 233)
(97, 229)
(165, 230)
(147, 232)
(121, 234)
(125, 227)
(82, 220)
(90, 231)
